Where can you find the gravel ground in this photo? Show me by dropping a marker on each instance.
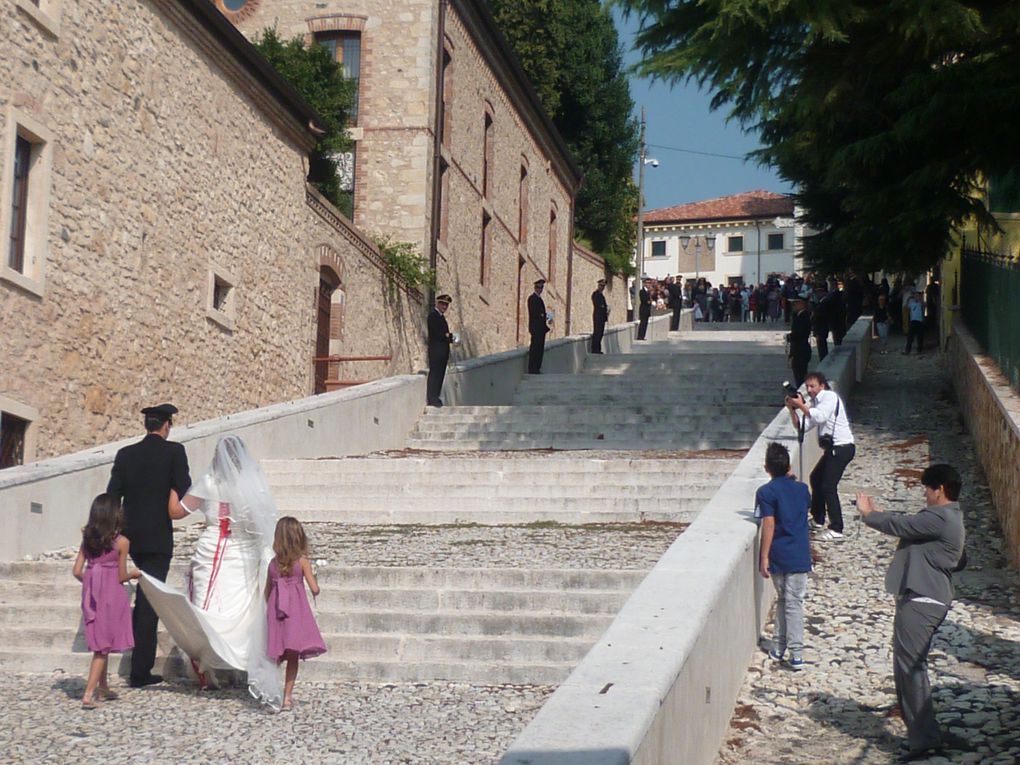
(617, 546)
(841, 710)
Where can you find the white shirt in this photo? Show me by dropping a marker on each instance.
(824, 416)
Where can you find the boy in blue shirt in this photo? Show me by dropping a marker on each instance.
(783, 504)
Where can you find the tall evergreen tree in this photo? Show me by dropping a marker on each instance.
(571, 52)
(885, 115)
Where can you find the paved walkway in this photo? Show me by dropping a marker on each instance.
(841, 709)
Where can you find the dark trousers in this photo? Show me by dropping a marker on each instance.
(437, 373)
(535, 353)
(598, 331)
(822, 341)
(143, 619)
(674, 320)
(916, 329)
(913, 630)
(825, 485)
(799, 364)
(642, 329)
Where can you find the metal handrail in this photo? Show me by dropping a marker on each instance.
(338, 359)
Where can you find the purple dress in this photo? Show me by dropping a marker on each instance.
(106, 605)
(292, 625)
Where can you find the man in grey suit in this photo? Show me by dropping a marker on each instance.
(921, 578)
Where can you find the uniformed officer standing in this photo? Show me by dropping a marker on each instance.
(644, 309)
(538, 327)
(800, 340)
(440, 339)
(599, 315)
(143, 475)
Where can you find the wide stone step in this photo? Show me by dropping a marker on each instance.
(540, 411)
(32, 573)
(572, 487)
(454, 442)
(596, 602)
(326, 668)
(745, 417)
(20, 620)
(469, 469)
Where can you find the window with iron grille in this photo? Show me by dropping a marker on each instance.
(19, 205)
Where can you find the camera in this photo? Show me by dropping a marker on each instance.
(789, 390)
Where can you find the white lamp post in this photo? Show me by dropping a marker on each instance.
(709, 246)
(639, 261)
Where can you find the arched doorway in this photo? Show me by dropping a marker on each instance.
(328, 322)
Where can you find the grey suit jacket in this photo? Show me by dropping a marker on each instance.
(931, 544)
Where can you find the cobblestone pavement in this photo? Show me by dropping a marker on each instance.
(841, 710)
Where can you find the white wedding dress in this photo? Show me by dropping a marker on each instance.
(220, 619)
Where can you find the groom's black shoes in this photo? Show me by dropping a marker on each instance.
(141, 682)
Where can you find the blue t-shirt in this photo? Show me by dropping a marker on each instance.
(786, 500)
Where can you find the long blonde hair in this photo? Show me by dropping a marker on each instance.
(289, 543)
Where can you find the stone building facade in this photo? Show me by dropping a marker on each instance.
(158, 238)
(453, 152)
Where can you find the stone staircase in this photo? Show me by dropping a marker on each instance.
(380, 623)
(495, 490)
(680, 394)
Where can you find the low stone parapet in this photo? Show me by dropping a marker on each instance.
(660, 684)
(991, 409)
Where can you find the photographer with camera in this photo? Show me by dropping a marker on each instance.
(827, 413)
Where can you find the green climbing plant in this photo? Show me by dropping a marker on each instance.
(405, 264)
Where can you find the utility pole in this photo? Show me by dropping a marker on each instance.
(640, 259)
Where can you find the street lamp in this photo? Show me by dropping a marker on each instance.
(639, 261)
(709, 246)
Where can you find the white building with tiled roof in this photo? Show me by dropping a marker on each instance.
(737, 238)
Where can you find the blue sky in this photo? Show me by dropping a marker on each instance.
(679, 118)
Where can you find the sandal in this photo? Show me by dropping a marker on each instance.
(107, 695)
(89, 703)
(288, 704)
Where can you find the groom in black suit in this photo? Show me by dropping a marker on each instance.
(143, 475)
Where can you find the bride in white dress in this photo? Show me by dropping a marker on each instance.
(220, 622)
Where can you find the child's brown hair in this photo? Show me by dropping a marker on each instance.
(289, 543)
(105, 522)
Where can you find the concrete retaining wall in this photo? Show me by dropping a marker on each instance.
(44, 504)
(991, 409)
(660, 684)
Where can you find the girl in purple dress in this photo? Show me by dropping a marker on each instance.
(293, 633)
(101, 567)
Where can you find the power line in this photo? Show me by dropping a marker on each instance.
(692, 151)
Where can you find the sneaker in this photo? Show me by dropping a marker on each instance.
(830, 536)
(815, 526)
(776, 655)
(797, 664)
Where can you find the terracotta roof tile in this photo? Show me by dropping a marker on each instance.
(750, 204)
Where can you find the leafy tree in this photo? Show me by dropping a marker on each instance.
(317, 77)
(885, 115)
(571, 52)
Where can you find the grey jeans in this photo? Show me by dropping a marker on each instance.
(790, 592)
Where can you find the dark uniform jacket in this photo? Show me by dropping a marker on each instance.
(537, 323)
(599, 306)
(800, 333)
(439, 336)
(645, 309)
(143, 475)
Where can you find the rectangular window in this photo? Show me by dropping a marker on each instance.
(444, 201)
(734, 244)
(553, 236)
(19, 204)
(776, 241)
(522, 208)
(222, 301)
(345, 47)
(12, 440)
(487, 158)
(483, 276)
(447, 123)
(659, 248)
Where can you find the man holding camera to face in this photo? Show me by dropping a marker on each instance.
(826, 412)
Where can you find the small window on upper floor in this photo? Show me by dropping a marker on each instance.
(24, 215)
(222, 301)
(659, 248)
(345, 47)
(487, 151)
(734, 244)
(776, 241)
(522, 206)
(447, 124)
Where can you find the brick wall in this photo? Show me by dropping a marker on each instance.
(588, 268)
